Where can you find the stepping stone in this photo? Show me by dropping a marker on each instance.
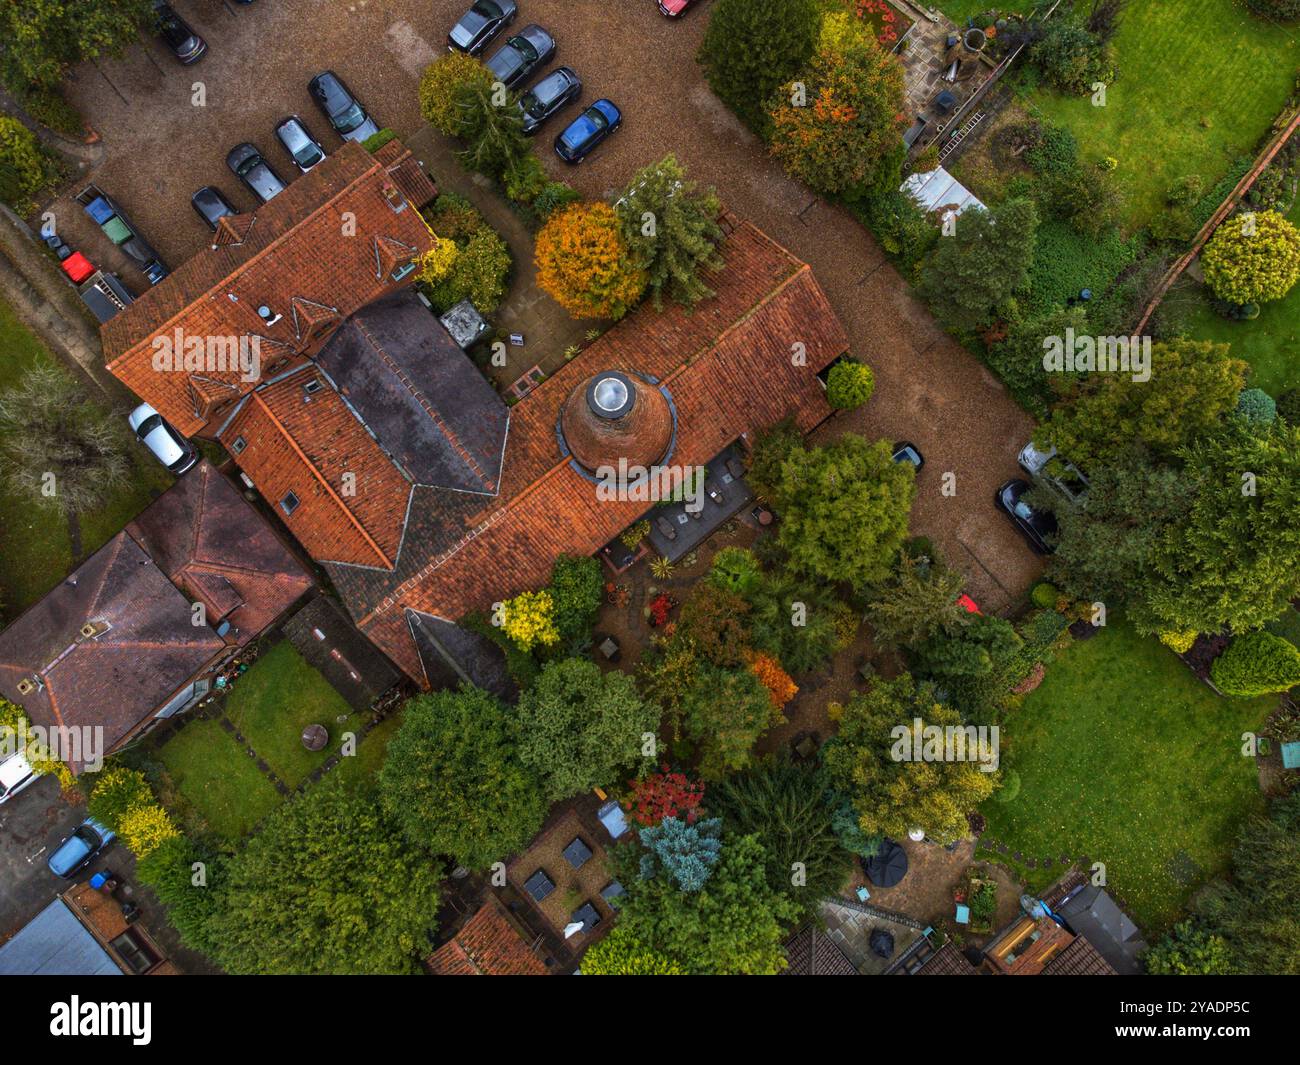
(1018, 856)
(1003, 848)
(1032, 863)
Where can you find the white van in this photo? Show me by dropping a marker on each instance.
(15, 774)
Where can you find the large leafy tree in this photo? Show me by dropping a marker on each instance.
(687, 851)
(672, 230)
(1193, 385)
(787, 808)
(987, 257)
(725, 712)
(844, 510)
(918, 600)
(43, 38)
(734, 925)
(57, 448)
(327, 887)
(619, 954)
(448, 101)
(579, 727)
(892, 796)
(584, 264)
(1232, 560)
(1103, 549)
(1189, 950)
(453, 780)
(1257, 912)
(576, 594)
(836, 128)
(1253, 257)
(750, 48)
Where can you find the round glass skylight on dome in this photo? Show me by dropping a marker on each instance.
(610, 395)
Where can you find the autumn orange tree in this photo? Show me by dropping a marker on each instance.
(775, 679)
(584, 263)
(836, 127)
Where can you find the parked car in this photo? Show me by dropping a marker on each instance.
(16, 774)
(907, 452)
(254, 171)
(81, 848)
(211, 205)
(1034, 524)
(1048, 466)
(478, 27)
(167, 445)
(559, 88)
(106, 214)
(343, 109)
(523, 54)
(186, 45)
(673, 8)
(600, 120)
(296, 139)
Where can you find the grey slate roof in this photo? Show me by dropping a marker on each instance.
(415, 390)
(451, 654)
(1091, 912)
(344, 651)
(55, 943)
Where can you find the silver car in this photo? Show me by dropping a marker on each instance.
(296, 139)
(167, 445)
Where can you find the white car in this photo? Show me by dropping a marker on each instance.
(15, 774)
(167, 445)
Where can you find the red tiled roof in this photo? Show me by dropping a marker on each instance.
(352, 499)
(218, 550)
(729, 366)
(947, 961)
(488, 945)
(319, 244)
(406, 173)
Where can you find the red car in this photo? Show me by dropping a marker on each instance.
(673, 8)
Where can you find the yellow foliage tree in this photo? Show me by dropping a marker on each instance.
(529, 620)
(584, 263)
(145, 828)
(438, 261)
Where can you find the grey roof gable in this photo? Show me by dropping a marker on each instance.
(1092, 913)
(55, 943)
(421, 397)
(452, 655)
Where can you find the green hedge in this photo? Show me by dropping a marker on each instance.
(1256, 664)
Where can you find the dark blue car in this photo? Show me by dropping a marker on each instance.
(80, 849)
(586, 131)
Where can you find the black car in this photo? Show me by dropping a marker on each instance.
(254, 171)
(516, 60)
(559, 88)
(480, 24)
(296, 139)
(589, 129)
(1035, 525)
(905, 451)
(210, 205)
(186, 45)
(343, 110)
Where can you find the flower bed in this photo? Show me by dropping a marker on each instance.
(889, 23)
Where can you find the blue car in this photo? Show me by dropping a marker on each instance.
(80, 849)
(586, 131)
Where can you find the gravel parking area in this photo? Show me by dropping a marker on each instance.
(160, 147)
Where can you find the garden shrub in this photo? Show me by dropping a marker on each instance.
(480, 274)
(776, 680)
(22, 164)
(1071, 58)
(1179, 641)
(376, 141)
(849, 385)
(1010, 786)
(1067, 261)
(525, 179)
(1253, 257)
(576, 592)
(48, 106)
(438, 261)
(118, 791)
(1053, 151)
(899, 225)
(529, 620)
(554, 196)
(1256, 406)
(454, 217)
(1256, 664)
(736, 570)
(1044, 596)
(144, 828)
(686, 850)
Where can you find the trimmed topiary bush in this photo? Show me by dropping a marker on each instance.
(1179, 641)
(1044, 596)
(1256, 664)
(1252, 258)
(1256, 406)
(849, 385)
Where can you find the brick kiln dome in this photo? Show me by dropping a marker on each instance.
(614, 415)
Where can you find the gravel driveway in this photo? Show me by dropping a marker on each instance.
(160, 147)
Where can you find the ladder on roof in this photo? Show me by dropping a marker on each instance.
(960, 135)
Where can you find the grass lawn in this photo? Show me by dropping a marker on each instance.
(279, 696)
(1270, 343)
(1200, 81)
(37, 551)
(1124, 756)
(216, 778)
(370, 752)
